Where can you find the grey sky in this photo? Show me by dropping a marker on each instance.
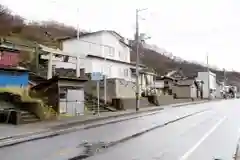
(187, 28)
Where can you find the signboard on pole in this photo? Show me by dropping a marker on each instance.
(96, 76)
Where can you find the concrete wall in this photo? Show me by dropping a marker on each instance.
(116, 88)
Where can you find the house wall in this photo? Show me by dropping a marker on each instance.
(102, 44)
(193, 91)
(145, 81)
(8, 58)
(111, 69)
(13, 78)
(159, 84)
(86, 45)
(218, 91)
(209, 80)
(74, 97)
(121, 51)
(185, 91)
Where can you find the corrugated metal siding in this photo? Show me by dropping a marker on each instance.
(16, 79)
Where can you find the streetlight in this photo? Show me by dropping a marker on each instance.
(137, 58)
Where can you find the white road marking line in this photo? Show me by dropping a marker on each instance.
(189, 152)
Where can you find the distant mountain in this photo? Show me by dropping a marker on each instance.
(164, 63)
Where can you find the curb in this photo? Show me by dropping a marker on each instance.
(111, 144)
(12, 140)
(124, 114)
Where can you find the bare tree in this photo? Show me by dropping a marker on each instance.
(3, 10)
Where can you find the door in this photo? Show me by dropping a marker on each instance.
(63, 101)
(75, 102)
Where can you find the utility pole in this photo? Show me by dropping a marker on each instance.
(78, 29)
(137, 58)
(208, 78)
(224, 74)
(137, 62)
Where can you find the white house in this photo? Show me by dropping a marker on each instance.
(104, 51)
(209, 83)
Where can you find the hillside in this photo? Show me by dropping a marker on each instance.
(42, 32)
(162, 64)
(12, 26)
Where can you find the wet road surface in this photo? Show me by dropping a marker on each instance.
(212, 133)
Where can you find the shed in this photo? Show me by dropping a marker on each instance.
(13, 77)
(65, 95)
(185, 89)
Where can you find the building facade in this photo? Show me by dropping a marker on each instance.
(8, 57)
(209, 83)
(104, 51)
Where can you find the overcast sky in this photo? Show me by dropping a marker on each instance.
(187, 28)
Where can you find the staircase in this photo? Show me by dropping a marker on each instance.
(91, 103)
(27, 117)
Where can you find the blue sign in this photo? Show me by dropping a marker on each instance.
(97, 76)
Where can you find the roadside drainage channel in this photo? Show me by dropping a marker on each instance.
(55, 131)
(91, 149)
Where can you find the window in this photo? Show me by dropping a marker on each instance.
(126, 72)
(111, 52)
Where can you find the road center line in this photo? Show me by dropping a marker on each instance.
(191, 150)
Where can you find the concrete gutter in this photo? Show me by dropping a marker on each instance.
(82, 124)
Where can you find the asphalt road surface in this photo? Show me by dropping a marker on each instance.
(212, 132)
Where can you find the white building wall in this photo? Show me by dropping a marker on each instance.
(111, 69)
(159, 84)
(209, 80)
(121, 51)
(103, 44)
(83, 46)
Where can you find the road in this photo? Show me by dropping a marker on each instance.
(210, 132)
